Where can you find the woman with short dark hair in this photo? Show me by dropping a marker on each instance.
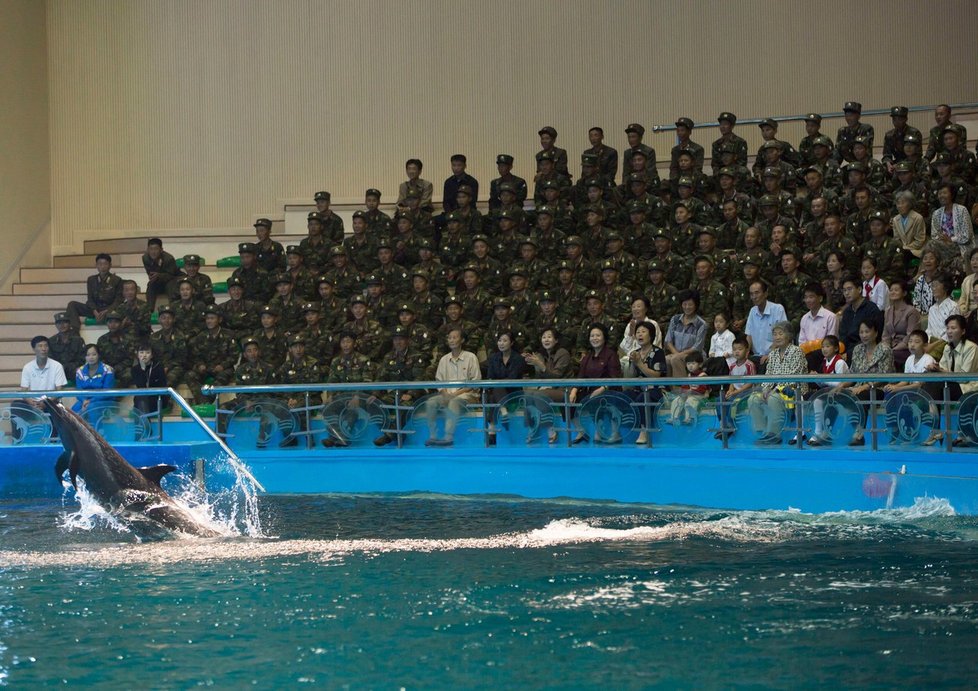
(599, 362)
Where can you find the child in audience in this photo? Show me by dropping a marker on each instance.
(721, 343)
(874, 288)
(917, 363)
(833, 363)
(686, 405)
(742, 366)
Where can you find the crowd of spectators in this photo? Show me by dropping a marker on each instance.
(755, 263)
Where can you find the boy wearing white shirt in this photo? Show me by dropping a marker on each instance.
(944, 306)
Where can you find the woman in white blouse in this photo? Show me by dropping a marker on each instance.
(950, 224)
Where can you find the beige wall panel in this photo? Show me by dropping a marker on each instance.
(25, 198)
(205, 114)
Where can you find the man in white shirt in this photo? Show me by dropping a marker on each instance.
(817, 323)
(762, 317)
(456, 366)
(42, 373)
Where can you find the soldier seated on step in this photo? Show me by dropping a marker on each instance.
(104, 293)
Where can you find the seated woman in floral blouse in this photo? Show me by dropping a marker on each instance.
(869, 356)
(770, 403)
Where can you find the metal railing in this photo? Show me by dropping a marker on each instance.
(825, 116)
(647, 406)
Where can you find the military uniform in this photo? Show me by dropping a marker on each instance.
(203, 286)
(272, 345)
(476, 305)
(397, 283)
(676, 268)
(135, 318)
(378, 223)
(846, 249)
(847, 135)
(739, 144)
(240, 317)
(316, 251)
(270, 255)
(518, 184)
(496, 328)
(888, 254)
(627, 153)
(714, 299)
(189, 317)
(790, 292)
(382, 310)
(252, 374)
(289, 311)
(935, 140)
(333, 231)
(118, 351)
(808, 141)
(104, 291)
(321, 342)
(893, 140)
(453, 250)
(346, 280)
(583, 343)
(67, 348)
(211, 350)
(689, 145)
(362, 251)
(350, 369)
(399, 366)
(369, 333)
(170, 349)
(303, 371)
(570, 303)
(662, 300)
(254, 279)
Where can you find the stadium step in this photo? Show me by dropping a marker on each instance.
(27, 316)
(21, 349)
(52, 303)
(87, 261)
(75, 289)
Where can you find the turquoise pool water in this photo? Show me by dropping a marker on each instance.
(443, 592)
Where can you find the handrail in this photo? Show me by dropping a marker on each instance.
(592, 383)
(789, 118)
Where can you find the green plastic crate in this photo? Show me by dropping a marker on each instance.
(90, 321)
(221, 287)
(205, 410)
(229, 262)
(956, 293)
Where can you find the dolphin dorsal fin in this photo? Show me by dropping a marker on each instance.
(155, 473)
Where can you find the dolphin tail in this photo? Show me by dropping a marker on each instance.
(155, 473)
(67, 461)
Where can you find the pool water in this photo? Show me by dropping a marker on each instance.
(429, 591)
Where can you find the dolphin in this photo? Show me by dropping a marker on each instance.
(116, 485)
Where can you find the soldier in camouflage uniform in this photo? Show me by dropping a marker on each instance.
(252, 371)
(505, 244)
(320, 339)
(270, 338)
(400, 364)
(549, 239)
(706, 245)
(189, 311)
(378, 223)
(813, 124)
(437, 274)
(239, 316)
(269, 254)
(379, 306)
(661, 295)
(203, 286)
(740, 300)
(730, 232)
(254, 278)
(569, 293)
(585, 273)
(213, 352)
(906, 180)
(468, 215)
(117, 350)
(299, 368)
(369, 332)
(490, 268)
(835, 241)
(684, 127)
(360, 247)
(607, 157)
(135, 312)
(346, 279)
(893, 140)
(617, 298)
(727, 123)
(348, 367)
(397, 283)
(522, 300)
(683, 230)
(538, 272)
(502, 321)
(886, 252)
(332, 224)
(857, 223)
(877, 175)
(676, 268)
(549, 317)
(852, 129)
(332, 310)
(427, 305)
(595, 314)
(577, 194)
(66, 346)
(786, 152)
(548, 137)
(699, 211)
(504, 164)
(314, 245)
(421, 337)
(634, 132)
(714, 296)
(630, 272)
(476, 300)
(455, 318)
(287, 304)
(789, 288)
(453, 250)
(546, 164)
(935, 140)
(303, 280)
(170, 348)
(822, 159)
(103, 290)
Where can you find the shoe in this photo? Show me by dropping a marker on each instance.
(492, 439)
(769, 440)
(718, 435)
(383, 440)
(442, 442)
(580, 439)
(933, 438)
(960, 441)
(857, 441)
(815, 441)
(334, 443)
(552, 437)
(642, 439)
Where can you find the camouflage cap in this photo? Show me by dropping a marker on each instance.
(263, 223)
(546, 156)
(771, 172)
(726, 170)
(856, 166)
(685, 181)
(640, 178)
(768, 122)
(247, 248)
(372, 192)
(852, 107)
(594, 295)
(589, 159)
(769, 200)
(548, 130)
(530, 240)
(943, 159)
(479, 237)
(249, 340)
(502, 302)
(453, 300)
(193, 259)
(862, 140)
(268, 309)
(954, 128)
(337, 251)
(546, 296)
(573, 240)
(165, 309)
(374, 280)
(474, 268)
(662, 233)
(549, 185)
(453, 217)
(594, 209)
(210, 309)
(911, 138)
(507, 187)
(822, 140)
(636, 128)
(325, 278)
(297, 339)
(814, 117)
(703, 258)
(637, 206)
(504, 159)
(464, 189)
(685, 152)
(565, 265)
(314, 216)
(519, 270)
(359, 213)
(545, 210)
(706, 230)
(405, 307)
(294, 249)
(508, 215)
(594, 182)
(771, 144)
(903, 167)
(384, 243)
(880, 216)
(357, 299)
(421, 273)
(61, 317)
(899, 112)
(753, 257)
(609, 265)
(811, 169)
(309, 307)
(321, 197)
(613, 236)
(283, 278)
(425, 244)
(655, 265)
(235, 282)
(685, 122)
(400, 331)
(729, 117)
